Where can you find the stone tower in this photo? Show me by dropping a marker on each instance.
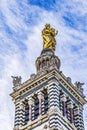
(48, 100)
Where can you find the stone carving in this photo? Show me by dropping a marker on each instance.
(47, 62)
(78, 87)
(16, 80)
(69, 79)
(78, 84)
(32, 76)
(48, 35)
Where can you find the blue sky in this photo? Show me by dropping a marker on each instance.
(21, 22)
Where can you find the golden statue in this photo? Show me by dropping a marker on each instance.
(48, 35)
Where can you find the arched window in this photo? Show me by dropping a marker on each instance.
(75, 115)
(36, 108)
(60, 102)
(43, 63)
(40, 65)
(64, 108)
(26, 113)
(67, 111)
(45, 102)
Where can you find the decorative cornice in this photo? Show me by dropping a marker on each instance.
(46, 77)
(70, 88)
(28, 86)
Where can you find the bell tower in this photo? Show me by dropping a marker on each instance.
(48, 100)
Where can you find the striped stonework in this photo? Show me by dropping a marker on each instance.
(62, 103)
(70, 111)
(32, 109)
(78, 118)
(22, 114)
(30, 102)
(26, 113)
(42, 102)
(53, 106)
(17, 111)
(81, 118)
(36, 108)
(40, 97)
(19, 115)
(48, 100)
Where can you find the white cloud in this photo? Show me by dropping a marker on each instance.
(16, 61)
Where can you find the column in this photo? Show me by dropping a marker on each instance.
(71, 114)
(45, 101)
(30, 102)
(53, 91)
(40, 97)
(19, 115)
(78, 117)
(26, 112)
(70, 107)
(81, 118)
(63, 100)
(17, 109)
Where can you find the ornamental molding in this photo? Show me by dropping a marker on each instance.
(48, 78)
(70, 87)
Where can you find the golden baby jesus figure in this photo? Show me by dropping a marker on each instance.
(48, 34)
